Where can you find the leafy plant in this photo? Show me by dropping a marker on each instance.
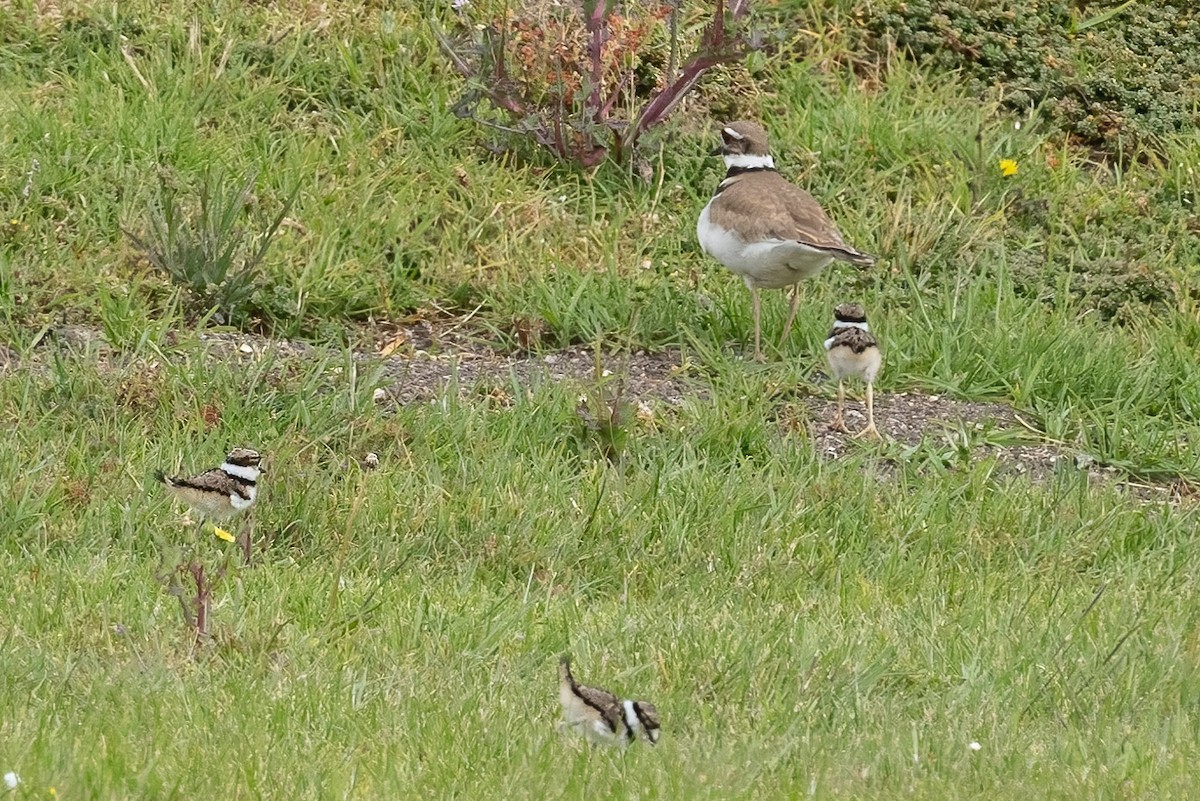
(126, 320)
(1117, 80)
(177, 562)
(605, 416)
(207, 249)
(588, 81)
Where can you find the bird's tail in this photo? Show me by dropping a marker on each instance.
(853, 256)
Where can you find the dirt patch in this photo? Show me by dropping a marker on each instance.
(957, 430)
(648, 376)
(904, 417)
(914, 425)
(910, 418)
(425, 367)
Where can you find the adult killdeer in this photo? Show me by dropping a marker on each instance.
(600, 715)
(853, 353)
(223, 491)
(770, 232)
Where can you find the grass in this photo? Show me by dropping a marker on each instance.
(805, 626)
(798, 621)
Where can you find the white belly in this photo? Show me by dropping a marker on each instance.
(584, 721)
(845, 363)
(769, 264)
(213, 506)
(239, 503)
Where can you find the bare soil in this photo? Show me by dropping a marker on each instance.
(419, 365)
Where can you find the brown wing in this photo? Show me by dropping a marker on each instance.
(769, 207)
(856, 339)
(604, 702)
(215, 480)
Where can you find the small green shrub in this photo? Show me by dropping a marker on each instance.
(1114, 80)
(206, 248)
(1117, 289)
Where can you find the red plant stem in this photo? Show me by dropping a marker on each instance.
(202, 597)
(596, 24)
(552, 131)
(713, 50)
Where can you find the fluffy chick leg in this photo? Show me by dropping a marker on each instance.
(839, 422)
(870, 431)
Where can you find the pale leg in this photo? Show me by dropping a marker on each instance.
(870, 431)
(791, 318)
(838, 423)
(756, 302)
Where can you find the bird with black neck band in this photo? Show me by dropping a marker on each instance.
(853, 352)
(600, 716)
(221, 492)
(770, 232)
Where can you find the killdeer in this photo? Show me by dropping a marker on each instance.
(853, 353)
(223, 491)
(600, 715)
(765, 229)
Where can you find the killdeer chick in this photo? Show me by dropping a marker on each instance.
(600, 715)
(223, 491)
(770, 232)
(853, 353)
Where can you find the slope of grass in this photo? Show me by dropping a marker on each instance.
(842, 628)
(799, 623)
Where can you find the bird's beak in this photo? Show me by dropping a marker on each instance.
(719, 150)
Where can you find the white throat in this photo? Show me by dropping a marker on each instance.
(246, 473)
(631, 718)
(744, 161)
(843, 324)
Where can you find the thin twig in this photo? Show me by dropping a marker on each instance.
(460, 63)
(134, 67)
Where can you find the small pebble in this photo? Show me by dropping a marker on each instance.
(371, 460)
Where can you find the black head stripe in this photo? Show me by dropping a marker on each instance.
(648, 725)
(244, 460)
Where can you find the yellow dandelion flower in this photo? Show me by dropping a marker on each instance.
(222, 534)
(1008, 167)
